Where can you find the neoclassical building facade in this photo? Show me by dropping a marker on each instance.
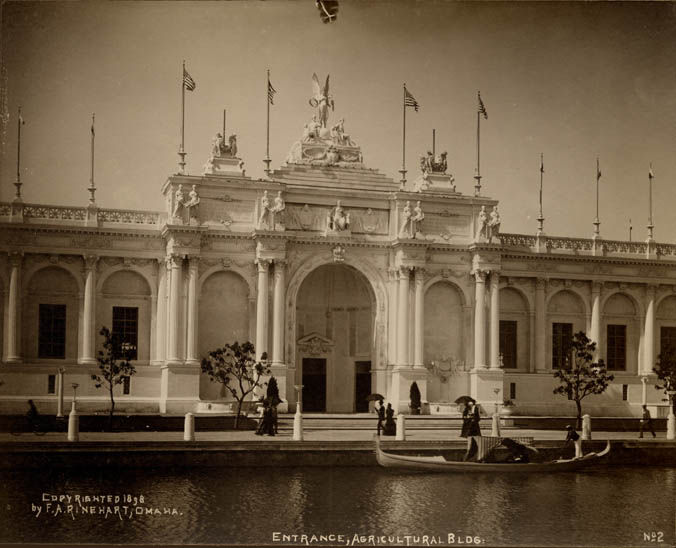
(349, 282)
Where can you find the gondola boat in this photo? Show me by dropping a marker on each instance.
(440, 464)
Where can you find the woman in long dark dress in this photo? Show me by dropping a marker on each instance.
(466, 420)
(475, 420)
(390, 426)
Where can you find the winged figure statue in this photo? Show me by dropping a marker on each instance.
(322, 100)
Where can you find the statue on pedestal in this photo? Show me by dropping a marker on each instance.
(337, 219)
(322, 100)
(406, 222)
(192, 205)
(179, 203)
(264, 212)
(494, 224)
(433, 164)
(220, 149)
(483, 224)
(417, 219)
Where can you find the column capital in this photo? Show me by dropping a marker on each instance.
(174, 260)
(90, 262)
(405, 271)
(480, 276)
(15, 257)
(193, 261)
(495, 278)
(420, 275)
(281, 263)
(596, 287)
(393, 274)
(263, 265)
(541, 283)
(651, 290)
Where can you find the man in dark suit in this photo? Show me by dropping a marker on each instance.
(646, 423)
(380, 410)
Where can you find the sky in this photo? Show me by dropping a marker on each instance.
(573, 81)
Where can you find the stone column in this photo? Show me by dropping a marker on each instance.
(89, 315)
(161, 316)
(595, 331)
(278, 313)
(649, 336)
(402, 319)
(191, 342)
(480, 319)
(540, 325)
(13, 342)
(495, 320)
(262, 308)
(419, 318)
(176, 266)
(392, 356)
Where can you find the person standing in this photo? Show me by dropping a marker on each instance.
(466, 420)
(474, 421)
(390, 426)
(646, 423)
(380, 410)
(575, 438)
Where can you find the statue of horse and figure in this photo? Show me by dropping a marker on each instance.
(221, 149)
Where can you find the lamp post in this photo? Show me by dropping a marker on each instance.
(496, 391)
(495, 431)
(671, 419)
(298, 417)
(59, 392)
(73, 419)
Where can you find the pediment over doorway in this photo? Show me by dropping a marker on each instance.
(315, 344)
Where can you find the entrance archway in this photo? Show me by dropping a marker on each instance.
(335, 316)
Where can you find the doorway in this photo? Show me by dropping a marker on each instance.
(314, 384)
(362, 386)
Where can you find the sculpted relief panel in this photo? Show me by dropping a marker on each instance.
(313, 218)
(447, 225)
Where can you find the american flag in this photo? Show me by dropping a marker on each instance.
(651, 175)
(598, 170)
(271, 93)
(188, 82)
(482, 107)
(409, 100)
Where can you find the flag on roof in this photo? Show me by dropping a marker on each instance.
(409, 100)
(188, 82)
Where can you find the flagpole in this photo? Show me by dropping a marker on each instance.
(650, 193)
(597, 223)
(267, 132)
(223, 125)
(477, 186)
(92, 188)
(403, 147)
(17, 196)
(541, 219)
(434, 139)
(630, 229)
(181, 151)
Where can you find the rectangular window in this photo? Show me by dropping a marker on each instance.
(616, 347)
(52, 331)
(667, 339)
(126, 385)
(51, 384)
(512, 390)
(625, 390)
(508, 343)
(125, 329)
(562, 336)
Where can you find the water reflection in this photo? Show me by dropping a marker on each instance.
(610, 506)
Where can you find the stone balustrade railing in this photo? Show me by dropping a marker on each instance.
(129, 216)
(575, 245)
(67, 213)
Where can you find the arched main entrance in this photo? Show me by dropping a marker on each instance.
(335, 344)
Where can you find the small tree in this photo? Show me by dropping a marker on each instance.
(114, 366)
(272, 392)
(416, 399)
(665, 369)
(235, 367)
(584, 377)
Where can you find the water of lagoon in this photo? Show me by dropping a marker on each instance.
(607, 506)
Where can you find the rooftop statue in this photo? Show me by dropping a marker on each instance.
(433, 164)
(322, 100)
(220, 149)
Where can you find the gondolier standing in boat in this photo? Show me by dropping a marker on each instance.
(380, 409)
(575, 438)
(646, 423)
